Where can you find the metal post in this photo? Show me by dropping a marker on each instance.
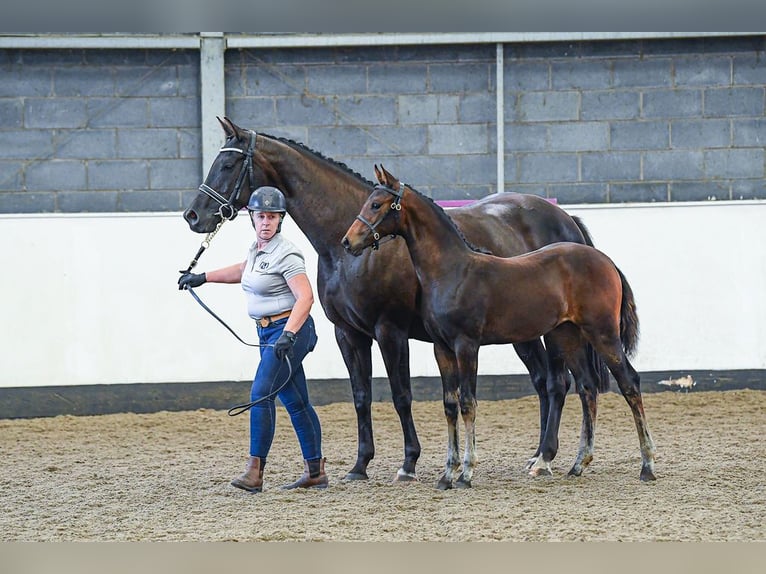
(212, 94)
(500, 98)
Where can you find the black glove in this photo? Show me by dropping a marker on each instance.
(191, 280)
(284, 345)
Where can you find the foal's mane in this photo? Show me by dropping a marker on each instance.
(442, 214)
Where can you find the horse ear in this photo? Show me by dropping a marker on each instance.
(228, 127)
(378, 175)
(386, 178)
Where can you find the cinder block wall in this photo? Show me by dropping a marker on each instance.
(591, 122)
(98, 130)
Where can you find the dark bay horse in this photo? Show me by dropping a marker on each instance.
(322, 197)
(567, 293)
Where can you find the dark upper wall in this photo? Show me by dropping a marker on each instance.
(649, 120)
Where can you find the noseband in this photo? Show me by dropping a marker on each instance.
(227, 208)
(395, 206)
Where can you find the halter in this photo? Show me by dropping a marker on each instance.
(395, 206)
(227, 209)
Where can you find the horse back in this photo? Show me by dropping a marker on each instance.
(508, 224)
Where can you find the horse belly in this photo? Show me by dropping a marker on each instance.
(519, 322)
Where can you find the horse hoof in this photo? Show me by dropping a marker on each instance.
(540, 472)
(444, 484)
(402, 476)
(462, 483)
(575, 471)
(356, 476)
(647, 475)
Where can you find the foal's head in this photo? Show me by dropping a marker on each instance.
(380, 215)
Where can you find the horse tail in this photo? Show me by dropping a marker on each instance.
(599, 366)
(628, 318)
(583, 230)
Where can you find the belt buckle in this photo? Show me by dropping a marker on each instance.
(264, 322)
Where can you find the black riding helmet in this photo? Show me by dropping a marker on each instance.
(267, 198)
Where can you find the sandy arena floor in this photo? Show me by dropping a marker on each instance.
(165, 477)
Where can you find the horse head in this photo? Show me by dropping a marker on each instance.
(229, 182)
(373, 220)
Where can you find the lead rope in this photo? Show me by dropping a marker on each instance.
(236, 409)
(203, 246)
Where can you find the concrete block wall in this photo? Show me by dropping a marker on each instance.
(651, 120)
(426, 113)
(98, 131)
(588, 122)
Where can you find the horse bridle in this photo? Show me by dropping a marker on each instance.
(227, 209)
(395, 206)
(224, 206)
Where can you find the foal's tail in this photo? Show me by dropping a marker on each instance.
(628, 318)
(599, 366)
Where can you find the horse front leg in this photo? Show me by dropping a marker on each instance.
(468, 364)
(447, 362)
(355, 348)
(394, 347)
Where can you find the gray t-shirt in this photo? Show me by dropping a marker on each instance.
(265, 276)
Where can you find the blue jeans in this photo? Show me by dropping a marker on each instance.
(294, 395)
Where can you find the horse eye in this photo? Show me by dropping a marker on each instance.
(375, 205)
(228, 165)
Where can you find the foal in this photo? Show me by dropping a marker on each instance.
(569, 293)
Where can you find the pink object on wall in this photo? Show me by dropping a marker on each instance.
(462, 202)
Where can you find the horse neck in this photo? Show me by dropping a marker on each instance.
(433, 241)
(322, 197)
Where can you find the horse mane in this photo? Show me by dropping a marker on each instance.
(444, 215)
(303, 147)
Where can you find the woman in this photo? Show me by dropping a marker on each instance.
(279, 298)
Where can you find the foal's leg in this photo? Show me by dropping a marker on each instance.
(532, 354)
(630, 386)
(467, 353)
(448, 368)
(394, 347)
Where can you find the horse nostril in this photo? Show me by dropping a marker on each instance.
(191, 216)
(345, 242)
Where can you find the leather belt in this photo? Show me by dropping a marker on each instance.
(266, 321)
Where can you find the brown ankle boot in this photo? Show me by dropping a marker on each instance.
(252, 479)
(313, 476)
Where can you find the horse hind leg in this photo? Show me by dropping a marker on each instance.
(557, 385)
(630, 386)
(587, 388)
(532, 354)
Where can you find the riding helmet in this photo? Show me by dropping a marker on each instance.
(267, 198)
